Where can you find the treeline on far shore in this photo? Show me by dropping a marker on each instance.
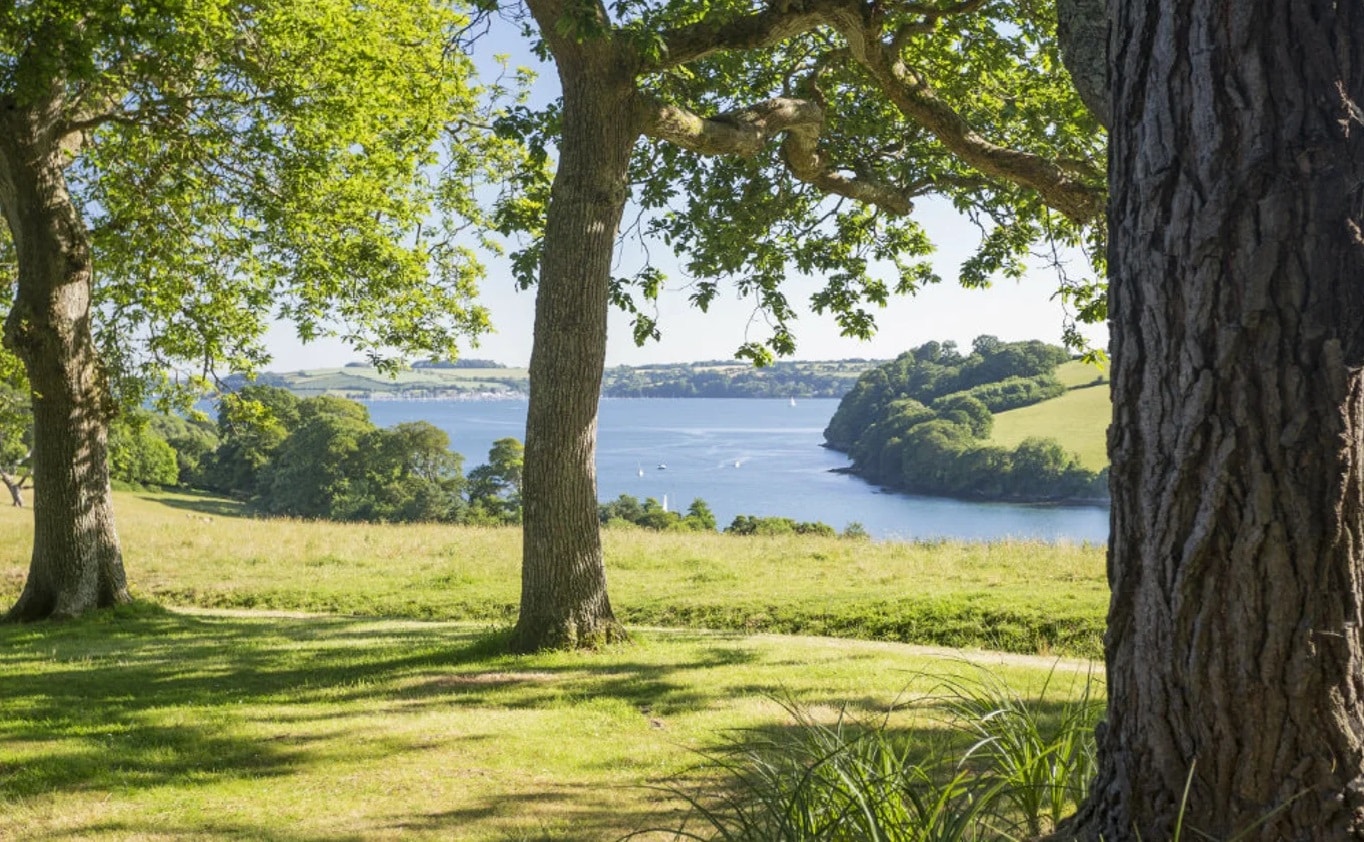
(730, 379)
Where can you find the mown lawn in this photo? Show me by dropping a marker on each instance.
(160, 725)
(380, 719)
(1026, 597)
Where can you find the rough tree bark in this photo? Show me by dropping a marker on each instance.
(77, 564)
(563, 580)
(1082, 32)
(1237, 553)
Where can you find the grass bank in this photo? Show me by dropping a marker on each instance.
(1027, 597)
(151, 724)
(1077, 419)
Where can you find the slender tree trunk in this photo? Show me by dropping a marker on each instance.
(1237, 553)
(77, 564)
(563, 580)
(15, 486)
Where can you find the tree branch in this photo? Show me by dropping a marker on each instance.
(746, 131)
(1082, 31)
(1074, 188)
(775, 23)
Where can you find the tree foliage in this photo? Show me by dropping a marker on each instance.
(237, 163)
(252, 423)
(194, 440)
(751, 525)
(323, 458)
(755, 116)
(650, 514)
(138, 455)
(16, 416)
(495, 487)
(16, 427)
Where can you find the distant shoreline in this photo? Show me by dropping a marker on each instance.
(1059, 503)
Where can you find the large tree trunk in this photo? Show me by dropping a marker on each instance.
(77, 565)
(563, 580)
(1237, 265)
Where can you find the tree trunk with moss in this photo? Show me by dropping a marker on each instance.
(77, 564)
(1237, 554)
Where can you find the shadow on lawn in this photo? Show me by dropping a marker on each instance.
(142, 697)
(203, 504)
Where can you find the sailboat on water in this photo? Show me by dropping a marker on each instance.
(793, 401)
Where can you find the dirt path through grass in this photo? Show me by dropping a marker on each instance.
(977, 657)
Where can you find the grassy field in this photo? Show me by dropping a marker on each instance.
(1078, 419)
(1011, 596)
(375, 722)
(1076, 374)
(158, 725)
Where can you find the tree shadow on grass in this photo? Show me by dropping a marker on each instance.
(141, 697)
(158, 827)
(199, 503)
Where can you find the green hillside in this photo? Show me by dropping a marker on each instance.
(1078, 419)
(364, 381)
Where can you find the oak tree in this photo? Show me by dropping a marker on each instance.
(1234, 650)
(173, 175)
(762, 140)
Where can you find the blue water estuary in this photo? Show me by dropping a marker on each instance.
(745, 456)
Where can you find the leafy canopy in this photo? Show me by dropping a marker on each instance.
(878, 105)
(307, 159)
(16, 416)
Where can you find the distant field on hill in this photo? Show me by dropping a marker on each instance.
(1076, 373)
(1078, 419)
(358, 381)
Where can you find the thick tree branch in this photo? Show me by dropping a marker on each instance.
(746, 131)
(778, 21)
(770, 26)
(1074, 188)
(1082, 30)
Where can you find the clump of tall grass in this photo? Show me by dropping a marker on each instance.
(998, 766)
(1039, 755)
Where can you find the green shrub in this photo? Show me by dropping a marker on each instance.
(138, 456)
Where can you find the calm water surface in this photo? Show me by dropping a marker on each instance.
(743, 456)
